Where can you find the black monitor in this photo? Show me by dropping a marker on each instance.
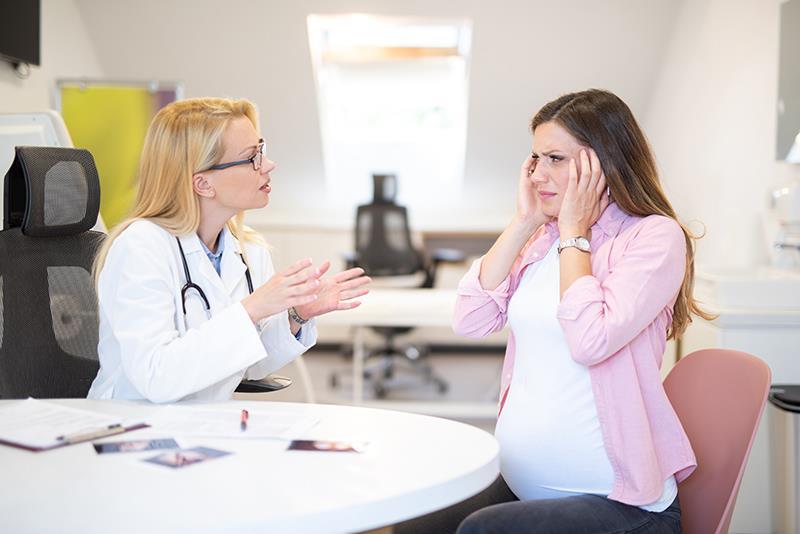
(19, 31)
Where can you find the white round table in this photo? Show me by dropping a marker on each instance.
(414, 464)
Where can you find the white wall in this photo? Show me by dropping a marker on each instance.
(66, 52)
(526, 52)
(701, 74)
(712, 118)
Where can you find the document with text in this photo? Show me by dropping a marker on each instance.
(186, 421)
(39, 425)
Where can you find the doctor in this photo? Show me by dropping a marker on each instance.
(189, 301)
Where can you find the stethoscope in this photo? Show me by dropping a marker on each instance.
(191, 285)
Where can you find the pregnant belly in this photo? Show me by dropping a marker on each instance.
(543, 449)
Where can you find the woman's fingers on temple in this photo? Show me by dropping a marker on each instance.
(601, 185)
(596, 167)
(586, 170)
(528, 164)
(597, 171)
(573, 173)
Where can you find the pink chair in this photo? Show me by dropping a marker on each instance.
(719, 396)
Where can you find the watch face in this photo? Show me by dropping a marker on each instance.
(583, 244)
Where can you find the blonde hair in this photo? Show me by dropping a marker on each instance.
(601, 120)
(184, 137)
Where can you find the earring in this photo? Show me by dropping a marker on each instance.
(608, 191)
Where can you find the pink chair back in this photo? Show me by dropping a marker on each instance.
(719, 396)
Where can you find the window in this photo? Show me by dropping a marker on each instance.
(392, 96)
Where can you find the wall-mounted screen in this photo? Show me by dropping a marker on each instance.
(19, 31)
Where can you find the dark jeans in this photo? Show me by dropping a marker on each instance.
(497, 510)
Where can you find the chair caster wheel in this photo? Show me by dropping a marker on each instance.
(442, 387)
(380, 391)
(334, 381)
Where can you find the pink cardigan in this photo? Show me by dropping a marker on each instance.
(615, 322)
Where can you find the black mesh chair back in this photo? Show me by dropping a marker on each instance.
(48, 304)
(383, 241)
(383, 236)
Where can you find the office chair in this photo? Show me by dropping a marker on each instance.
(48, 316)
(384, 249)
(719, 396)
(48, 311)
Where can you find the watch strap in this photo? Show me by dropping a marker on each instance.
(296, 317)
(574, 242)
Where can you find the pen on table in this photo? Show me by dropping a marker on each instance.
(78, 437)
(243, 423)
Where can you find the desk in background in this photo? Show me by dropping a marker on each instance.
(415, 464)
(403, 307)
(472, 244)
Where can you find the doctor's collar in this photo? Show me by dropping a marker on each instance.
(193, 243)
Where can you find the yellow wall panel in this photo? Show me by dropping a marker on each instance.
(111, 123)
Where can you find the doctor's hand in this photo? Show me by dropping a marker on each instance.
(295, 286)
(336, 292)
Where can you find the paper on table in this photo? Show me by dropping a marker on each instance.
(36, 424)
(184, 421)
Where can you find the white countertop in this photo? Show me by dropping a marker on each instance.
(758, 295)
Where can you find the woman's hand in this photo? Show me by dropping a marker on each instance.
(496, 264)
(295, 286)
(529, 205)
(585, 198)
(336, 292)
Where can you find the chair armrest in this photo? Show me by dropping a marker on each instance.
(266, 384)
(440, 255)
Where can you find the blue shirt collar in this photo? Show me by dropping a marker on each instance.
(216, 257)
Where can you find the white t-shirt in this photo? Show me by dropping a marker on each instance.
(551, 443)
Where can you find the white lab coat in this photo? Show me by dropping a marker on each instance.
(149, 350)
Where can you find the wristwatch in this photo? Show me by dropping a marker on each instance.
(296, 317)
(580, 242)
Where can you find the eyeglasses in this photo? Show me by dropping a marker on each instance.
(255, 160)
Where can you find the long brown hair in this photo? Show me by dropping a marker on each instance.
(601, 120)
